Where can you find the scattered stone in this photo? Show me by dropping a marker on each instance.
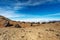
(17, 26)
(57, 35)
(22, 36)
(51, 30)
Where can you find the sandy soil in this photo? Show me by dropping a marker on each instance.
(31, 33)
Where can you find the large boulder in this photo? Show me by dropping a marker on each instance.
(7, 24)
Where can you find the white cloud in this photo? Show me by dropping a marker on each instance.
(17, 4)
(12, 15)
(37, 19)
(43, 18)
(35, 2)
(9, 13)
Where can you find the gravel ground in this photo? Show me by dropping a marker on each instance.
(31, 33)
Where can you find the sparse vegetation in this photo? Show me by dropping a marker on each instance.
(43, 22)
(51, 21)
(38, 22)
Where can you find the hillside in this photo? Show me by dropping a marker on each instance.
(16, 30)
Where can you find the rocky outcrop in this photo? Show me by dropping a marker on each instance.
(17, 26)
(4, 18)
(7, 24)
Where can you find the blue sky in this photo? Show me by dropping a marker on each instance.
(30, 10)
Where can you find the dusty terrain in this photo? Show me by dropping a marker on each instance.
(12, 30)
(31, 33)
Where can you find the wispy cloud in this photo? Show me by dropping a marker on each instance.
(36, 19)
(42, 18)
(9, 13)
(9, 7)
(18, 4)
(35, 2)
(55, 14)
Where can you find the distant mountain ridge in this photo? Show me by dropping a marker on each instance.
(6, 22)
